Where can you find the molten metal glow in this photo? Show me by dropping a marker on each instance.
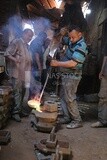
(34, 104)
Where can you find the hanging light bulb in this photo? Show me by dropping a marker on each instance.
(58, 3)
(85, 9)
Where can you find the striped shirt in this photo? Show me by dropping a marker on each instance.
(76, 52)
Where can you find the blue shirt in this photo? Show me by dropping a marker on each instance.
(36, 47)
(76, 52)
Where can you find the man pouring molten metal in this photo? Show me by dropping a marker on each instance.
(71, 67)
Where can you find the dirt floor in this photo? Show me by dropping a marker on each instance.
(86, 143)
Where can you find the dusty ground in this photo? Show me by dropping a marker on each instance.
(87, 143)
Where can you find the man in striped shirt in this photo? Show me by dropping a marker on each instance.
(71, 69)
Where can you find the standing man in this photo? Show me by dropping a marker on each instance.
(37, 48)
(71, 68)
(19, 67)
(102, 107)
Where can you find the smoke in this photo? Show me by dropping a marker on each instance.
(15, 25)
(41, 24)
(12, 29)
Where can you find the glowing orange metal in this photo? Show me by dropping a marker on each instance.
(34, 104)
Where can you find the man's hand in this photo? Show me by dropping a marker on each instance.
(54, 63)
(100, 75)
(17, 61)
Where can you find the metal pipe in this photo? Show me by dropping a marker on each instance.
(44, 87)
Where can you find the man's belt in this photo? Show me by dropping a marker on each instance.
(70, 74)
(70, 71)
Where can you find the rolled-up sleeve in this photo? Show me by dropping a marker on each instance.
(11, 50)
(79, 53)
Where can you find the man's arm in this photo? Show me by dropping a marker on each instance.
(11, 51)
(67, 64)
(37, 58)
(103, 65)
(102, 68)
(13, 59)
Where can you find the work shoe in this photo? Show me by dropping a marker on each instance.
(16, 117)
(74, 125)
(97, 124)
